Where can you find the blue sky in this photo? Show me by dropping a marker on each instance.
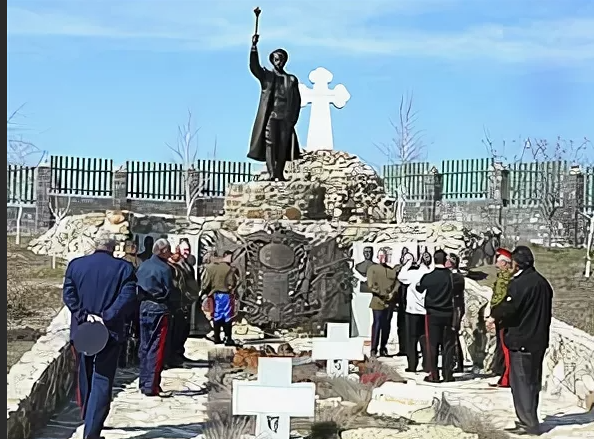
(115, 78)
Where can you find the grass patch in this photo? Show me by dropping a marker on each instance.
(33, 296)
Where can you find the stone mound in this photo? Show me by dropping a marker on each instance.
(321, 185)
(74, 235)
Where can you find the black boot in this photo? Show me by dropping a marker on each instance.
(228, 328)
(217, 326)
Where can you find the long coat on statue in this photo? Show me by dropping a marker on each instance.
(266, 78)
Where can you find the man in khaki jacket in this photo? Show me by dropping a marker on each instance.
(381, 280)
(219, 282)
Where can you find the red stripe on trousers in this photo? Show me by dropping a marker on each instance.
(163, 328)
(428, 348)
(504, 381)
(78, 395)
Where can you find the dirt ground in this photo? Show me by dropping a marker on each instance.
(34, 297)
(573, 302)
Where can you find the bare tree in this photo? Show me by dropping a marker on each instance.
(541, 179)
(19, 152)
(186, 150)
(408, 143)
(406, 146)
(551, 190)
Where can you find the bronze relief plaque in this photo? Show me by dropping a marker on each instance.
(277, 256)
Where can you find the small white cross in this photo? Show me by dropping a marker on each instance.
(274, 399)
(337, 349)
(319, 133)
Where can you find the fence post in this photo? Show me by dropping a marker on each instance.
(43, 182)
(120, 188)
(433, 183)
(574, 199)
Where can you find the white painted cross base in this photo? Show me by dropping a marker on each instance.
(338, 348)
(319, 133)
(274, 399)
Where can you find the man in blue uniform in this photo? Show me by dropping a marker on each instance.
(99, 287)
(156, 292)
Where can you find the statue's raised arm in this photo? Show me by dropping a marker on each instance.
(255, 66)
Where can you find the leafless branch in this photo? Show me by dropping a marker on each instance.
(18, 150)
(58, 212)
(186, 149)
(408, 143)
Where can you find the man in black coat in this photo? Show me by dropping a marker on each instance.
(525, 314)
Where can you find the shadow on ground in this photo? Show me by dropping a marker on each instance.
(64, 423)
(184, 431)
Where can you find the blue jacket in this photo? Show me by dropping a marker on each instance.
(155, 281)
(103, 285)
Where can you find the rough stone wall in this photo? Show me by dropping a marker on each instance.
(30, 224)
(320, 185)
(515, 221)
(41, 381)
(74, 235)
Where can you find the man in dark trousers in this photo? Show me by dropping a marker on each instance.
(438, 286)
(381, 279)
(156, 292)
(459, 284)
(504, 276)
(219, 282)
(179, 329)
(525, 314)
(99, 287)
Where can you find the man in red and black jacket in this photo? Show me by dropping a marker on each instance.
(526, 314)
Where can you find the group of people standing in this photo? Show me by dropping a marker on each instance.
(151, 295)
(428, 299)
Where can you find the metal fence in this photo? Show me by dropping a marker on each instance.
(80, 176)
(470, 180)
(167, 181)
(20, 185)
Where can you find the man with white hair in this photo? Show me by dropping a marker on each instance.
(156, 291)
(99, 288)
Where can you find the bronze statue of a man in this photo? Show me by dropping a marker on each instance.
(274, 139)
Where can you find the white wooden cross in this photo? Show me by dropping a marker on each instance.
(319, 133)
(274, 399)
(337, 348)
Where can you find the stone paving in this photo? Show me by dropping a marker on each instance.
(136, 416)
(561, 418)
(183, 416)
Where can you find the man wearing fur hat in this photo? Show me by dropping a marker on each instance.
(503, 262)
(526, 314)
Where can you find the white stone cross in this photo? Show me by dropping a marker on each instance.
(337, 349)
(274, 399)
(319, 133)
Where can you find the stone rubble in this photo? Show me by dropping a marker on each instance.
(322, 184)
(74, 235)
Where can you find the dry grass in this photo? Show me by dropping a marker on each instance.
(468, 421)
(234, 428)
(564, 268)
(33, 297)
